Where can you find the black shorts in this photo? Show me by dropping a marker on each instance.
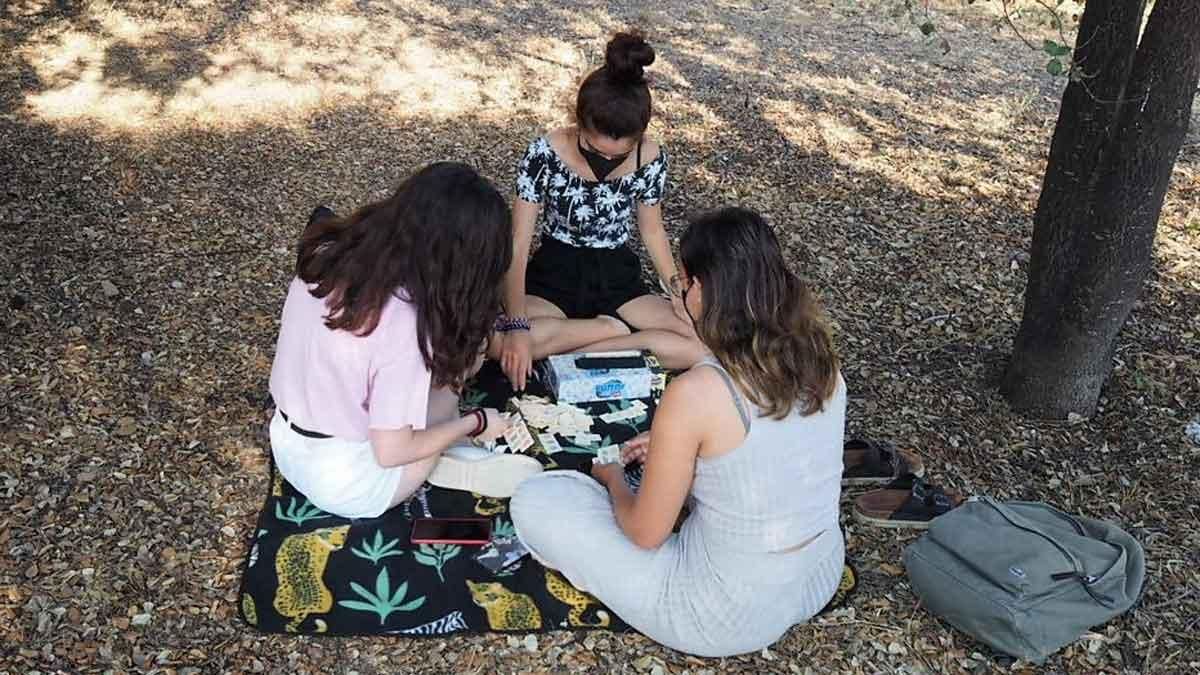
(584, 282)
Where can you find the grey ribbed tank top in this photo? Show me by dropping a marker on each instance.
(778, 489)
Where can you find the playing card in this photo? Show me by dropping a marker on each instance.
(518, 436)
(535, 411)
(549, 443)
(609, 454)
(501, 552)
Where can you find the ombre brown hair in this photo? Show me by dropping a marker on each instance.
(443, 241)
(759, 319)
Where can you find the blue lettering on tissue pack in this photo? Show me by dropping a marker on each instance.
(610, 389)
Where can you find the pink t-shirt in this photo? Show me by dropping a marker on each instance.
(337, 383)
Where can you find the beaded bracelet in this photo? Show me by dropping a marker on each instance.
(506, 324)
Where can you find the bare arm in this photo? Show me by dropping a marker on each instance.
(394, 447)
(524, 221)
(675, 436)
(654, 236)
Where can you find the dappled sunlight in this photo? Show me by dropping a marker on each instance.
(866, 90)
(74, 71)
(689, 119)
(715, 47)
(161, 157)
(285, 64)
(1178, 239)
(885, 132)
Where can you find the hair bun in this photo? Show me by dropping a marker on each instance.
(626, 56)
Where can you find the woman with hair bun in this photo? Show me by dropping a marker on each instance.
(592, 182)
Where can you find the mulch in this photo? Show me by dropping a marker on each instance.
(158, 158)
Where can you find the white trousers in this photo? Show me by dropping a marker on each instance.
(338, 476)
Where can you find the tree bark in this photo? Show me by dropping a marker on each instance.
(1119, 131)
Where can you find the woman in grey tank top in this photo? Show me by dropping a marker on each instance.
(750, 439)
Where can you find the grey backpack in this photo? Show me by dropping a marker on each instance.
(1024, 577)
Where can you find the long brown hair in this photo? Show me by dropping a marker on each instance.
(614, 99)
(759, 319)
(443, 242)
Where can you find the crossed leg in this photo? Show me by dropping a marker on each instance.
(667, 336)
(553, 333)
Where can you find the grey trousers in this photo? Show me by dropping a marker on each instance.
(678, 594)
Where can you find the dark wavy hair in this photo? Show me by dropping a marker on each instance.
(443, 241)
(614, 99)
(759, 319)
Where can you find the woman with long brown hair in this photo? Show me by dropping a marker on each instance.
(387, 316)
(590, 184)
(751, 438)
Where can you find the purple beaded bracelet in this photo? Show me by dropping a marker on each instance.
(505, 324)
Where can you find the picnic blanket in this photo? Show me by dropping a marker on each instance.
(308, 571)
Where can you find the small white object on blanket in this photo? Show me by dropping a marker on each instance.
(609, 454)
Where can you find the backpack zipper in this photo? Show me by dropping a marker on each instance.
(1085, 579)
(1066, 554)
(1088, 579)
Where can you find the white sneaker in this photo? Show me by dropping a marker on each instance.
(477, 470)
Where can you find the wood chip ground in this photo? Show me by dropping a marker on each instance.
(157, 162)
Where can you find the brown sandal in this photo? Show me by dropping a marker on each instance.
(907, 502)
(867, 462)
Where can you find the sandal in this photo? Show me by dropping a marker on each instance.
(321, 212)
(907, 502)
(867, 462)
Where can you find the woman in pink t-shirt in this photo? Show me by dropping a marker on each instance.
(386, 318)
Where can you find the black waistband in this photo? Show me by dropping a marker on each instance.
(303, 432)
(558, 246)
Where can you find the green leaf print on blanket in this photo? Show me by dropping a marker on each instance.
(436, 555)
(383, 601)
(377, 550)
(635, 423)
(473, 398)
(503, 528)
(299, 515)
(587, 449)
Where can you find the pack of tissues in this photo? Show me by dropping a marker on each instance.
(600, 376)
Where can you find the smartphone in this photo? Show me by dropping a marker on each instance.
(609, 362)
(470, 531)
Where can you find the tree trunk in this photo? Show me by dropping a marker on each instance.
(1122, 122)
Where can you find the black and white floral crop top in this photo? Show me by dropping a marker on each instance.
(587, 213)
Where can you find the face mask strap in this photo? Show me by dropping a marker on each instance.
(686, 310)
